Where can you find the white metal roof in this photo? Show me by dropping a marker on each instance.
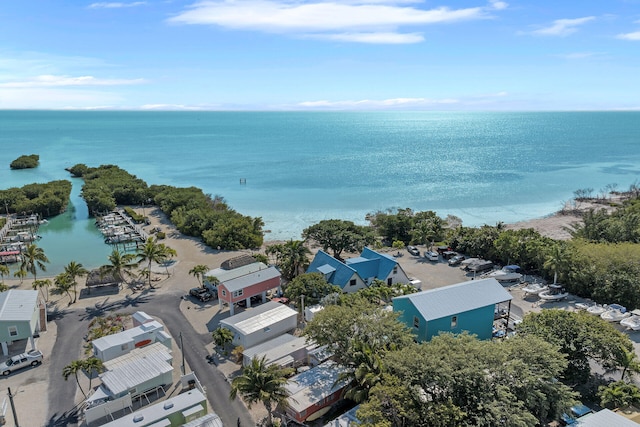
(260, 317)
(223, 275)
(160, 411)
(251, 279)
(125, 336)
(312, 386)
(605, 417)
(458, 298)
(139, 353)
(277, 348)
(346, 419)
(18, 305)
(136, 372)
(209, 420)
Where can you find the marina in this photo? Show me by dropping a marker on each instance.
(119, 229)
(16, 234)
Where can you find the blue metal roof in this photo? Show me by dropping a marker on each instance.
(459, 298)
(323, 262)
(373, 264)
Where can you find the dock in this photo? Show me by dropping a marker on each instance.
(118, 228)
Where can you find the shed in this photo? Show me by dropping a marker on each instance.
(467, 306)
(284, 350)
(313, 392)
(261, 323)
(19, 317)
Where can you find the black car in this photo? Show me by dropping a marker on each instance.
(201, 294)
(413, 250)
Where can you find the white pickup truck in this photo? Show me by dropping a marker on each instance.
(31, 358)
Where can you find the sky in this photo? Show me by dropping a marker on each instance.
(310, 55)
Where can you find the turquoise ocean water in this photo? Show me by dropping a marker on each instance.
(303, 167)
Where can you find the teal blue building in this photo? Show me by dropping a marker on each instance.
(468, 306)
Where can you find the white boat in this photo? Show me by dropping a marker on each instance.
(597, 309)
(508, 273)
(615, 313)
(631, 322)
(554, 293)
(534, 289)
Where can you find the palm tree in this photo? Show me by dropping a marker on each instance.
(297, 257)
(73, 270)
(91, 365)
(366, 371)
(42, 283)
(629, 363)
(3, 287)
(72, 369)
(63, 285)
(169, 253)
(152, 251)
(21, 274)
(119, 264)
(262, 383)
(33, 258)
(4, 270)
(556, 259)
(199, 271)
(222, 337)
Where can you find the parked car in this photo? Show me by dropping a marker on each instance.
(456, 260)
(431, 256)
(443, 249)
(413, 250)
(31, 358)
(201, 294)
(449, 254)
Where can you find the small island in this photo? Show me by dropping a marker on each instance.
(26, 162)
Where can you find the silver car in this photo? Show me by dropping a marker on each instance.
(32, 358)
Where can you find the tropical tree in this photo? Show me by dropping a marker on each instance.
(292, 257)
(556, 260)
(72, 369)
(63, 285)
(20, 274)
(313, 286)
(264, 383)
(4, 270)
(93, 365)
(619, 394)
(339, 236)
(364, 372)
(629, 363)
(42, 283)
(73, 270)
(222, 337)
(3, 287)
(33, 258)
(198, 272)
(152, 251)
(119, 265)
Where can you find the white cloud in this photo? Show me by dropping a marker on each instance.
(629, 36)
(580, 55)
(374, 38)
(115, 5)
(563, 27)
(364, 21)
(48, 80)
(375, 104)
(174, 107)
(54, 98)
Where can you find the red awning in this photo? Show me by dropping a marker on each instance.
(9, 253)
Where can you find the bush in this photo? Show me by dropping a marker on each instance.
(136, 217)
(25, 162)
(160, 235)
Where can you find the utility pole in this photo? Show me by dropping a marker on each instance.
(182, 367)
(13, 407)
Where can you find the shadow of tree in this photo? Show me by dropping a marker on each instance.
(101, 309)
(67, 418)
(57, 313)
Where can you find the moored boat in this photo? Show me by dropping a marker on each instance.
(615, 313)
(631, 322)
(534, 289)
(554, 293)
(597, 309)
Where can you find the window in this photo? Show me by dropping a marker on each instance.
(454, 322)
(416, 322)
(395, 269)
(124, 347)
(13, 331)
(224, 293)
(390, 281)
(238, 293)
(352, 282)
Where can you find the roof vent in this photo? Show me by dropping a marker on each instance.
(168, 405)
(138, 418)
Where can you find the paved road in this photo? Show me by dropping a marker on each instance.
(72, 326)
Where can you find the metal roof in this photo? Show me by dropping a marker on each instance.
(458, 298)
(345, 420)
(136, 372)
(139, 353)
(260, 317)
(209, 420)
(251, 279)
(223, 275)
(17, 305)
(338, 272)
(605, 417)
(277, 348)
(126, 336)
(312, 386)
